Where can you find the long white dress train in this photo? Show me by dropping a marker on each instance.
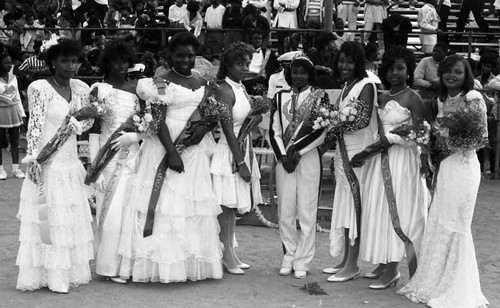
(447, 274)
(185, 241)
(63, 208)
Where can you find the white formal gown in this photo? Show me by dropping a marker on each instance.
(447, 274)
(379, 241)
(63, 208)
(185, 242)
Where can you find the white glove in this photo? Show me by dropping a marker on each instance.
(77, 126)
(100, 184)
(125, 140)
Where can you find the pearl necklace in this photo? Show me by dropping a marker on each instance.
(60, 86)
(452, 100)
(396, 94)
(184, 76)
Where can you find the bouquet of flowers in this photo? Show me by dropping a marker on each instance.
(418, 133)
(139, 122)
(260, 104)
(353, 117)
(96, 109)
(209, 112)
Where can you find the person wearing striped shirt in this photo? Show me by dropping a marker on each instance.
(34, 63)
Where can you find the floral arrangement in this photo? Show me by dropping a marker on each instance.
(96, 109)
(139, 122)
(53, 40)
(419, 133)
(260, 104)
(353, 117)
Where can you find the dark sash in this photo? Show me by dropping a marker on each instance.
(353, 182)
(393, 209)
(155, 195)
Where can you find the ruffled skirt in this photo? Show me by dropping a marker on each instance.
(379, 241)
(185, 241)
(447, 274)
(64, 215)
(229, 188)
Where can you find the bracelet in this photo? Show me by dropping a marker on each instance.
(241, 163)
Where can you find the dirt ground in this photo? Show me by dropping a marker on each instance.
(260, 287)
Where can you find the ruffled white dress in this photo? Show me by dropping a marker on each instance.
(344, 213)
(123, 105)
(185, 241)
(447, 274)
(63, 209)
(229, 188)
(379, 241)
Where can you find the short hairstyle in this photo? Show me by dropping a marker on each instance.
(489, 58)
(250, 9)
(301, 62)
(389, 58)
(193, 6)
(446, 65)
(371, 49)
(254, 32)
(442, 45)
(64, 48)
(3, 55)
(356, 51)
(115, 50)
(184, 39)
(234, 53)
(324, 38)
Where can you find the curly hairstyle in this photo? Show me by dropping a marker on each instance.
(307, 65)
(446, 66)
(355, 51)
(234, 53)
(324, 39)
(183, 39)
(388, 60)
(64, 48)
(115, 50)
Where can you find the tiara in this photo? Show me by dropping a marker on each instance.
(54, 40)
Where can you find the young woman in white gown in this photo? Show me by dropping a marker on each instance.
(184, 244)
(447, 274)
(401, 105)
(120, 96)
(233, 190)
(344, 235)
(56, 233)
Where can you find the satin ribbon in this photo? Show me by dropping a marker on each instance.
(111, 188)
(155, 195)
(353, 182)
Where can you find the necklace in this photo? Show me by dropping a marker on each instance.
(184, 76)
(60, 86)
(454, 99)
(390, 94)
(352, 83)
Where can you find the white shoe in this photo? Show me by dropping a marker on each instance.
(18, 174)
(285, 271)
(332, 270)
(243, 266)
(300, 274)
(3, 175)
(118, 280)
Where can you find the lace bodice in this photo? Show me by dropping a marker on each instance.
(123, 105)
(48, 111)
(394, 115)
(241, 107)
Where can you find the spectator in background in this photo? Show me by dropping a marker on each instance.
(193, 22)
(340, 35)
(428, 20)
(92, 22)
(286, 18)
(476, 7)
(426, 78)
(233, 19)
(323, 59)
(256, 79)
(163, 67)
(6, 34)
(396, 29)
(46, 7)
(34, 63)
(176, 14)
(443, 8)
(213, 20)
(310, 17)
(487, 65)
(263, 6)
(254, 21)
(349, 13)
(375, 13)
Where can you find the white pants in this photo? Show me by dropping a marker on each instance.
(349, 13)
(298, 199)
